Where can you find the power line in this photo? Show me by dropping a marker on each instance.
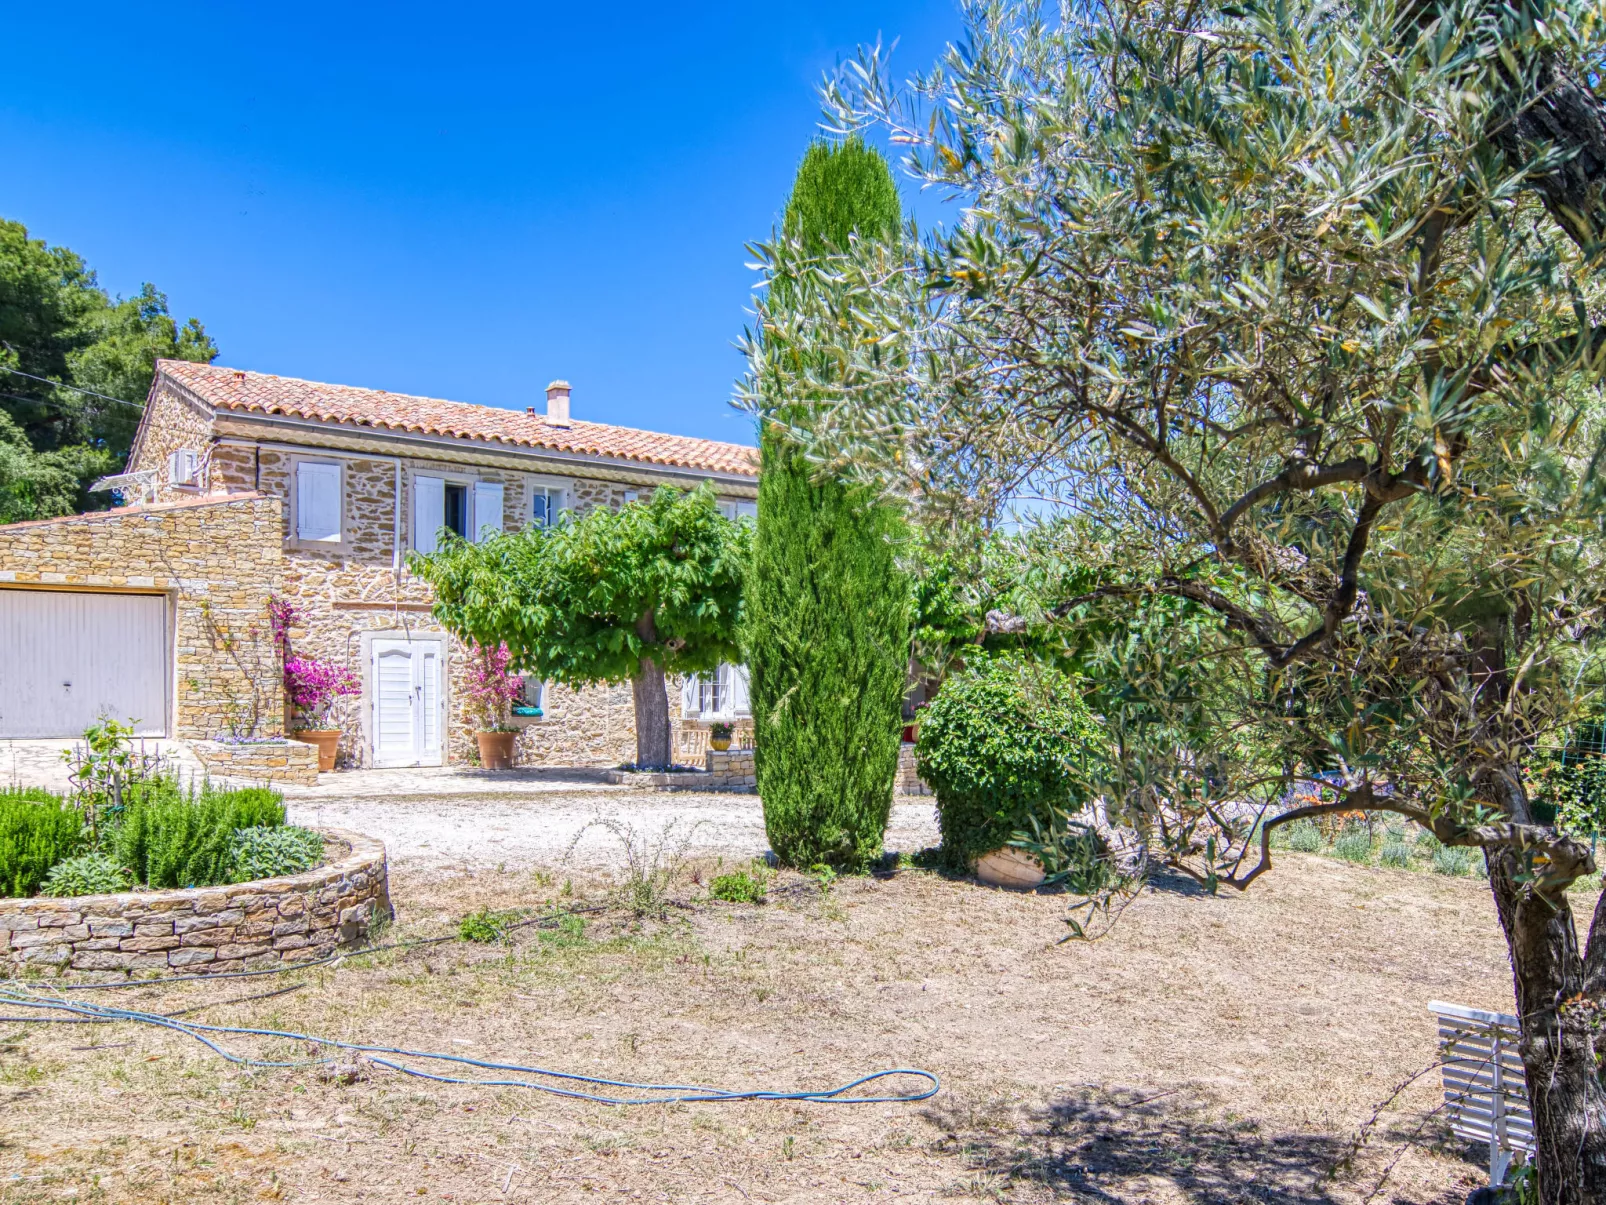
(75, 388)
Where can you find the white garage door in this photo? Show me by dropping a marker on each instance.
(68, 657)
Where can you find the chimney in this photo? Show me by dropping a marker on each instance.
(557, 404)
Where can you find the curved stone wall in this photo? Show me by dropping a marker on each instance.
(243, 926)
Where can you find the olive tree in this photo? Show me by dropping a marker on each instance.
(613, 596)
(1295, 303)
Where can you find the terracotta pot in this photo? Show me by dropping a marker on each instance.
(1009, 867)
(326, 739)
(719, 743)
(911, 733)
(496, 749)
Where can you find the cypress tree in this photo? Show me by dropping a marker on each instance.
(828, 609)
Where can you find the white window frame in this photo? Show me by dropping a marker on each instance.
(549, 486)
(293, 506)
(451, 477)
(702, 687)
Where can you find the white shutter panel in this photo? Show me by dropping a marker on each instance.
(318, 502)
(429, 511)
(739, 691)
(487, 510)
(688, 696)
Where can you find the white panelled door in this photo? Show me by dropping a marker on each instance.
(407, 703)
(69, 657)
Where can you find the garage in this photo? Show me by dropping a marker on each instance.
(69, 657)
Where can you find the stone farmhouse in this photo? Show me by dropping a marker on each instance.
(244, 486)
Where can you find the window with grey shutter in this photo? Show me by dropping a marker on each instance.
(487, 510)
(318, 502)
(429, 511)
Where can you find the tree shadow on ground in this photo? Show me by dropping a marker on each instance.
(1100, 1145)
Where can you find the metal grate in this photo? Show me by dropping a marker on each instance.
(1485, 1092)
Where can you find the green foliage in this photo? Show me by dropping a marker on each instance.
(739, 887)
(828, 609)
(1354, 845)
(37, 830)
(1302, 836)
(1008, 746)
(486, 926)
(57, 323)
(598, 598)
(266, 852)
(1452, 860)
(1395, 853)
(91, 873)
(1567, 781)
(171, 837)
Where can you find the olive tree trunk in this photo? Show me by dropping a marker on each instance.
(651, 698)
(1558, 992)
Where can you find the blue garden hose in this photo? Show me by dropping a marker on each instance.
(659, 1093)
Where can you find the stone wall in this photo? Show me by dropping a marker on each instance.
(732, 770)
(280, 761)
(909, 781)
(171, 421)
(208, 929)
(217, 560)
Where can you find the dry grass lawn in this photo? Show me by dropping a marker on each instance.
(1208, 1050)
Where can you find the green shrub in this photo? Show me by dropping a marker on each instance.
(37, 830)
(1426, 842)
(1354, 845)
(175, 838)
(92, 873)
(1007, 747)
(1452, 860)
(1395, 853)
(738, 887)
(1302, 836)
(266, 852)
(486, 926)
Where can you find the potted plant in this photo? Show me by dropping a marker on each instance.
(490, 693)
(719, 736)
(312, 686)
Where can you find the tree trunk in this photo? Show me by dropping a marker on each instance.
(652, 704)
(1557, 991)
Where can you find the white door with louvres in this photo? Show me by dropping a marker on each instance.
(407, 702)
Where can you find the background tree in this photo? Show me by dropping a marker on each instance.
(59, 327)
(613, 596)
(828, 610)
(1282, 296)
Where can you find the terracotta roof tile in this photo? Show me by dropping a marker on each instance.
(263, 393)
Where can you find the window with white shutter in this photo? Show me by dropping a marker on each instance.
(487, 510)
(740, 687)
(318, 502)
(429, 511)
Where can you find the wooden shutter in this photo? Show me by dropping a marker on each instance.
(739, 691)
(318, 502)
(487, 510)
(429, 511)
(688, 697)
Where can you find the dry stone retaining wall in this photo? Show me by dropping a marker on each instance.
(283, 761)
(242, 926)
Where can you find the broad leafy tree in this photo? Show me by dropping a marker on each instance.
(828, 608)
(614, 596)
(1300, 303)
(58, 327)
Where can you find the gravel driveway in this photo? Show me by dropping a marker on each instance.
(486, 829)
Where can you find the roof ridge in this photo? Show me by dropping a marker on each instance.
(240, 388)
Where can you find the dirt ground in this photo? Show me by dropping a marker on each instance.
(1207, 1050)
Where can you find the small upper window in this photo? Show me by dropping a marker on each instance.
(546, 504)
(739, 508)
(456, 509)
(318, 502)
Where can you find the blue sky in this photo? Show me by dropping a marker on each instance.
(464, 201)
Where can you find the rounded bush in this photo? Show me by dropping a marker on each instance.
(1004, 746)
(1354, 846)
(1395, 853)
(1302, 836)
(37, 830)
(1452, 860)
(93, 873)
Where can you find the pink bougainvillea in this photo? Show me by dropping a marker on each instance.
(491, 690)
(312, 686)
